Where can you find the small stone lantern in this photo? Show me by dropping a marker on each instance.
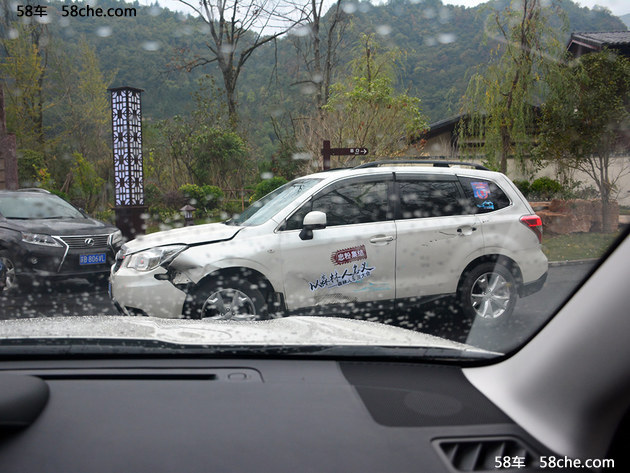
(188, 214)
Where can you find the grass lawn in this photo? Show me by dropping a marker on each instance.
(576, 246)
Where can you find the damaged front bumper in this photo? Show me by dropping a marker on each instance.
(151, 293)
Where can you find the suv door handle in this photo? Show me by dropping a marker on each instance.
(463, 231)
(381, 239)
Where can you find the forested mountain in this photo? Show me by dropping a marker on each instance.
(440, 46)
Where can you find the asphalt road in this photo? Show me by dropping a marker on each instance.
(533, 311)
(78, 297)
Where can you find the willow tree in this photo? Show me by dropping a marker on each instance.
(82, 116)
(22, 70)
(499, 104)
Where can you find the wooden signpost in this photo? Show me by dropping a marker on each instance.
(327, 152)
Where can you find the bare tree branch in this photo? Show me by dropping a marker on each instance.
(237, 29)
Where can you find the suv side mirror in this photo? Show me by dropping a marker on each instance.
(314, 220)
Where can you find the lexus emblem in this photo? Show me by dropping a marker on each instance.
(89, 242)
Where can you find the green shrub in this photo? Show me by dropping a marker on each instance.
(86, 190)
(163, 214)
(152, 195)
(30, 163)
(61, 194)
(523, 186)
(173, 200)
(203, 198)
(546, 188)
(265, 187)
(232, 207)
(213, 196)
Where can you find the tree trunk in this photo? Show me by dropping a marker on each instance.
(607, 224)
(505, 149)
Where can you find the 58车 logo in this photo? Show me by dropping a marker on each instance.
(31, 10)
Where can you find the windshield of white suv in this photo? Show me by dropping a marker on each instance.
(265, 208)
(415, 178)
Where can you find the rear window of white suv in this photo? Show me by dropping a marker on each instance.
(484, 195)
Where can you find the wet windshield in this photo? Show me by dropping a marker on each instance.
(390, 175)
(265, 208)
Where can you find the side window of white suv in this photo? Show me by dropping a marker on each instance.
(422, 198)
(347, 204)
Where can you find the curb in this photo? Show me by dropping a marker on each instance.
(573, 262)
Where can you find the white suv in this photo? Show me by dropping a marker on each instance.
(378, 233)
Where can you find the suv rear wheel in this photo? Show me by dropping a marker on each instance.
(488, 292)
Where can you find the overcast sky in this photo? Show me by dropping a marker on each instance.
(617, 7)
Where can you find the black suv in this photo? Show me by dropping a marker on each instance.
(43, 236)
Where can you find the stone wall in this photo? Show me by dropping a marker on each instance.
(576, 216)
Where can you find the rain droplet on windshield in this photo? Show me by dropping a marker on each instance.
(104, 31)
(349, 8)
(383, 30)
(151, 45)
(300, 31)
(446, 38)
(302, 156)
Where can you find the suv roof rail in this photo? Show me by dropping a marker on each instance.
(34, 189)
(333, 169)
(436, 163)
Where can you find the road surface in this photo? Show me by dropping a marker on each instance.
(78, 298)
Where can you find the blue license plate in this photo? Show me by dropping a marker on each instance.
(99, 258)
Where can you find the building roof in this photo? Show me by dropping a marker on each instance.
(442, 126)
(582, 43)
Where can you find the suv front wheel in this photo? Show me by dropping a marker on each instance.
(233, 300)
(488, 292)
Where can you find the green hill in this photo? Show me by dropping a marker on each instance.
(442, 43)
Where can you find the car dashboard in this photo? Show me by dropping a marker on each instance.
(157, 415)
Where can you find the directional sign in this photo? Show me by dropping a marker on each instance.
(327, 152)
(348, 151)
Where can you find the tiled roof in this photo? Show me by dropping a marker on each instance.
(604, 38)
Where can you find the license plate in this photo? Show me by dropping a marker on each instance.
(99, 258)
